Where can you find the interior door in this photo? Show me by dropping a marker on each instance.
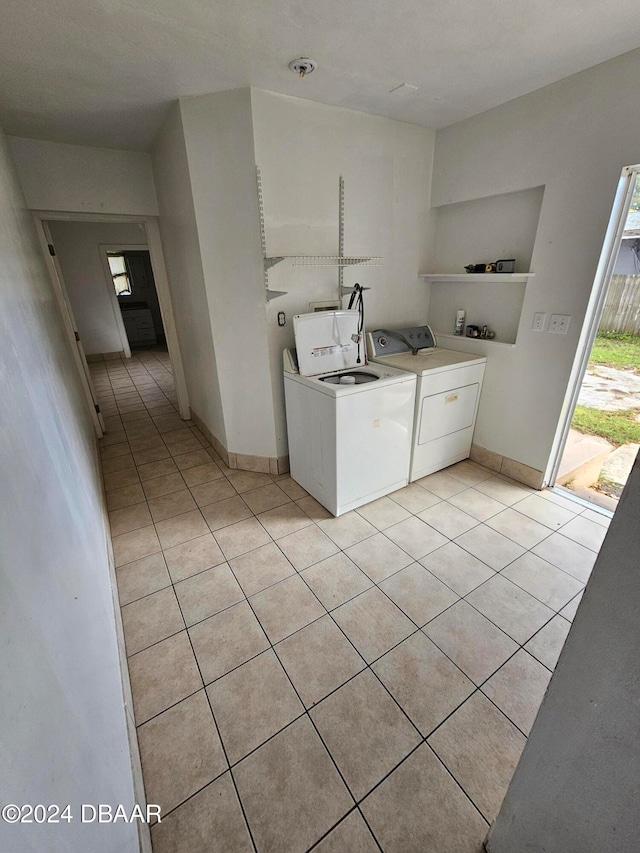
(71, 328)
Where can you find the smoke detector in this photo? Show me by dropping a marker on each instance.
(302, 66)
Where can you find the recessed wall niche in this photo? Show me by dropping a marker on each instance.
(481, 231)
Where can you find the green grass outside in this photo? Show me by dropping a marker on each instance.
(612, 350)
(617, 427)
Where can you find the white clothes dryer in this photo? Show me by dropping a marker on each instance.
(349, 422)
(447, 394)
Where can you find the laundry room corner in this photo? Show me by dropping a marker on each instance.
(302, 150)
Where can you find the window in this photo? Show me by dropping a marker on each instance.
(119, 273)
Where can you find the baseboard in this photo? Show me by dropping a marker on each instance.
(104, 356)
(507, 467)
(242, 461)
(144, 831)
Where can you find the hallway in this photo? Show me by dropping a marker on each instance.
(300, 681)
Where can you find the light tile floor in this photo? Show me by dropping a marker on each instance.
(354, 684)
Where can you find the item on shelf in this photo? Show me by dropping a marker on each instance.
(508, 265)
(505, 265)
(459, 324)
(480, 332)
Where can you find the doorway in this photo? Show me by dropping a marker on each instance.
(87, 296)
(601, 431)
(129, 272)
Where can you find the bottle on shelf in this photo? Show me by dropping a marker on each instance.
(459, 325)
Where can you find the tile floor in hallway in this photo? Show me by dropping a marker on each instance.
(299, 681)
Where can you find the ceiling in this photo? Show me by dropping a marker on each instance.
(104, 72)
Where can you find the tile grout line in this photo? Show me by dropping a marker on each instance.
(208, 702)
(219, 733)
(556, 612)
(335, 690)
(477, 688)
(368, 666)
(374, 583)
(305, 710)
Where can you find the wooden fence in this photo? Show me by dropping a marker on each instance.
(622, 309)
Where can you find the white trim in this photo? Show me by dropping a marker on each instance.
(166, 312)
(71, 216)
(144, 836)
(583, 502)
(604, 271)
(154, 245)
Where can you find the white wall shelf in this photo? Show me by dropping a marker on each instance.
(483, 278)
(323, 261)
(449, 337)
(492, 299)
(340, 261)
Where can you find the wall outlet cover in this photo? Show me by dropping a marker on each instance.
(559, 323)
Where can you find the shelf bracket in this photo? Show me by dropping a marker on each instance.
(341, 238)
(345, 291)
(338, 260)
(274, 294)
(267, 262)
(271, 262)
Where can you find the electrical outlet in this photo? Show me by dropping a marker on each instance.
(559, 324)
(539, 322)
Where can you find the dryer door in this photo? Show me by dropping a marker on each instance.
(447, 412)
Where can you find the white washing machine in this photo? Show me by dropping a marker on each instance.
(350, 423)
(447, 394)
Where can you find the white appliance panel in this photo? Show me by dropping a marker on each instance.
(324, 342)
(446, 409)
(447, 412)
(385, 376)
(440, 453)
(352, 448)
(430, 361)
(447, 395)
(311, 431)
(374, 443)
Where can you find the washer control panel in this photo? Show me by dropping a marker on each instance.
(393, 341)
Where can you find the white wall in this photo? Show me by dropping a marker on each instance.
(575, 789)
(204, 165)
(302, 149)
(181, 247)
(218, 134)
(91, 294)
(63, 737)
(573, 138)
(56, 176)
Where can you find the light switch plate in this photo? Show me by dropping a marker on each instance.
(539, 321)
